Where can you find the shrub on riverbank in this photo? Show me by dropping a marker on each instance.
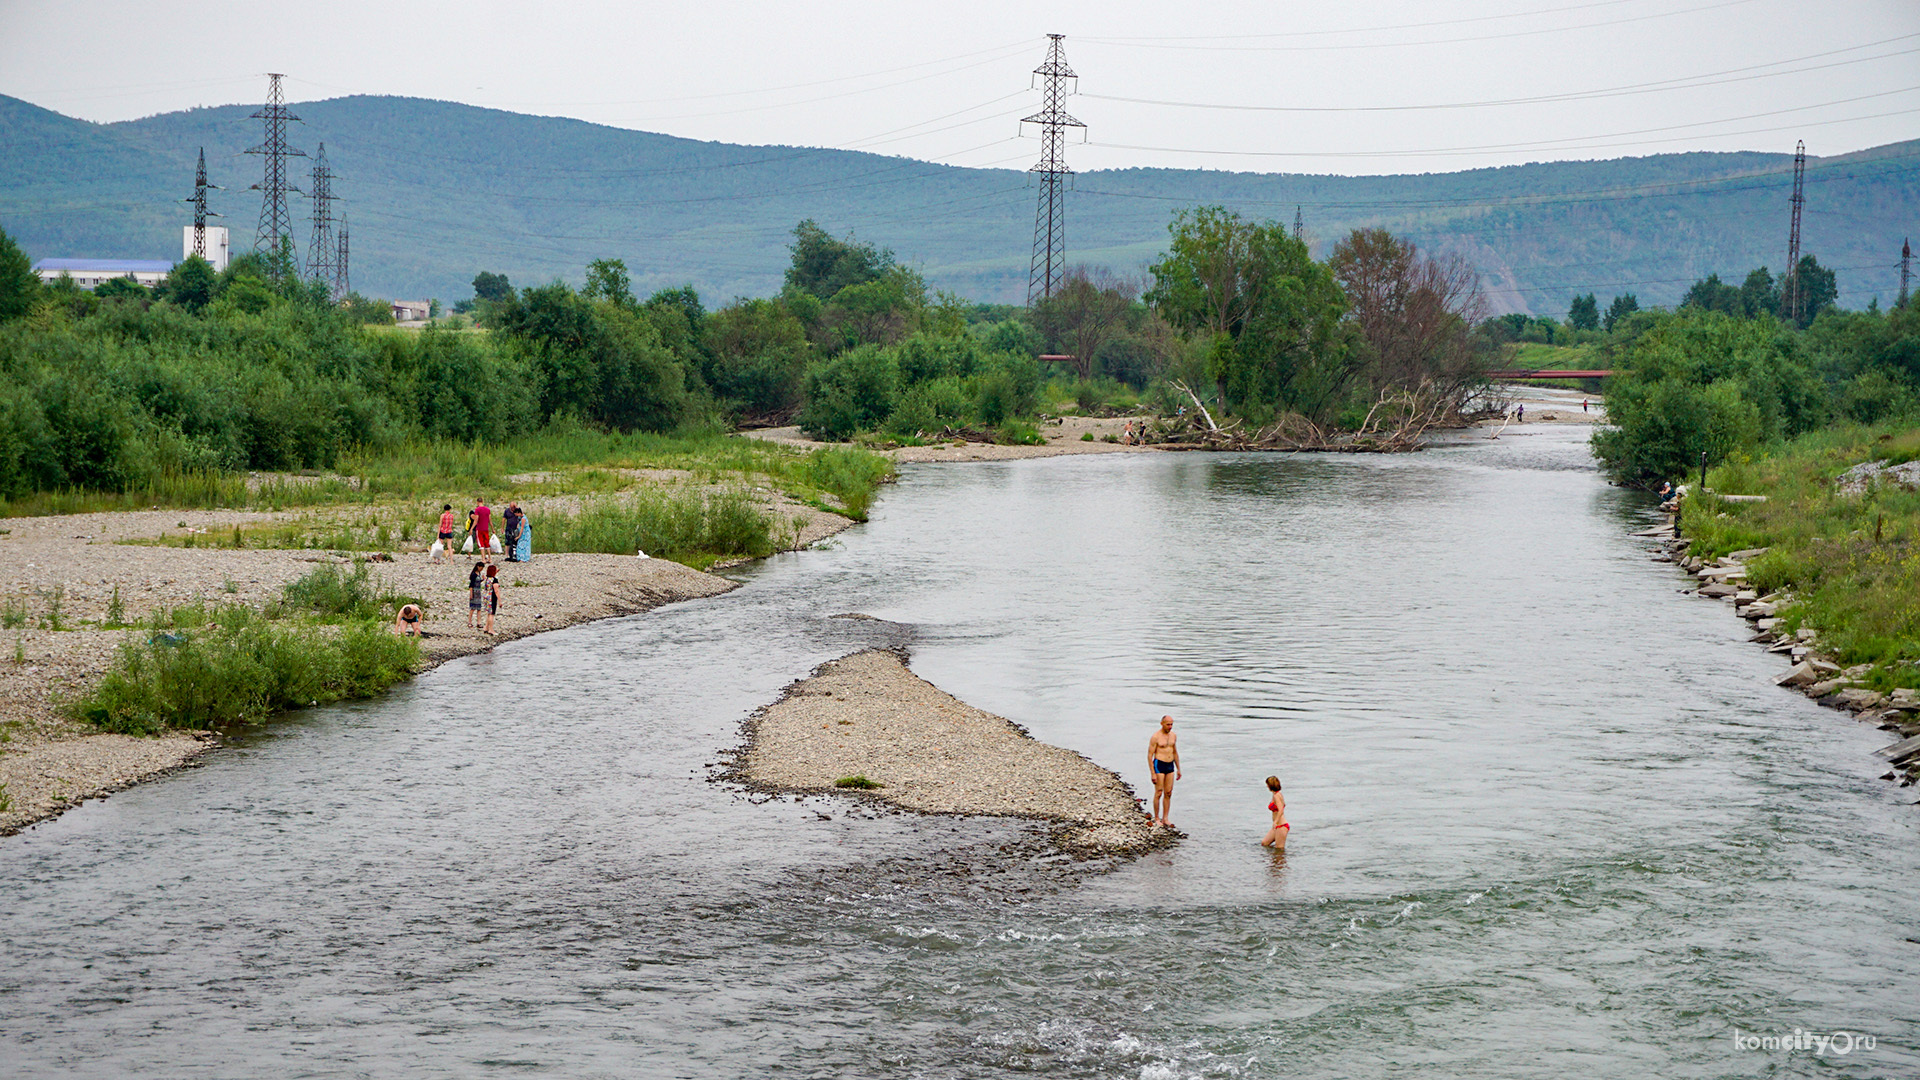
(241, 669)
(1851, 561)
(694, 527)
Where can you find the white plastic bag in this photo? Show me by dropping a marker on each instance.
(438, 552)
(493, 545)
(467, 548)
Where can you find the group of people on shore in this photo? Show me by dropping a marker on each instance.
(483, 580)
(1163, 765)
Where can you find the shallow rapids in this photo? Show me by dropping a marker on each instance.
(1550, 819)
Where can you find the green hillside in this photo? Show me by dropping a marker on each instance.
(437, 191)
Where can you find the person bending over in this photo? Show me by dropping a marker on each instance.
(408, 621)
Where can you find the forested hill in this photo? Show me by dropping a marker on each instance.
(437, 191)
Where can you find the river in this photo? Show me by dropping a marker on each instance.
(1550, 819)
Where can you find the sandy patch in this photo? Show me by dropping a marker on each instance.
(868, 715)
(1063, 435)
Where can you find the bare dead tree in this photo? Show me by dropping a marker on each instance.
(1416, 312)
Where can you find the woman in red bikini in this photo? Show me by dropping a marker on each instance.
(1276, 837)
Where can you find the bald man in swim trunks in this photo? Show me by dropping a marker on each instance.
(1163, 761)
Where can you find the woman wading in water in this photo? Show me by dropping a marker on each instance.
(1276, 837)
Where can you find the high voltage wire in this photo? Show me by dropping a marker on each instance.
(1166, 43)
(1575, 143)
(1690, 82)
(1380, 29)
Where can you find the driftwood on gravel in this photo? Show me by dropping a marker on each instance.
(1394, 424)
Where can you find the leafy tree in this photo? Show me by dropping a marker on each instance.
(1816, 289)
(192, 284)
(1759, 295)
(600, 362)
(1584, 313)
(608, 280)
(1272, 313)
(491, 287)
(1416, 313)
(757, 354)
(854, 391)
(19, 285)
(122, 288)
(880, 311)
(823, 266)
(1088, 309)
(1712, 294)
(360, 309)
(1623, 305)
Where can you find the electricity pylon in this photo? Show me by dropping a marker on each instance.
(1050, 217)
(1790, 305)
(199, 201)
(323, 252)
(276, 224)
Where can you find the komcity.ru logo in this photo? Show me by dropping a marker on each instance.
(1838, 1043)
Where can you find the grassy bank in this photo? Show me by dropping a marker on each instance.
(1851, 562)
(196, 667)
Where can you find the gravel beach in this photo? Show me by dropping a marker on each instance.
(868, 715)
(49, 764)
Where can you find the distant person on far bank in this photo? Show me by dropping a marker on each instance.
(1163, 762)
(1520, 412)
(1278, 829)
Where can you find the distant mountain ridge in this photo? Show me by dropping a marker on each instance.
(437, 191)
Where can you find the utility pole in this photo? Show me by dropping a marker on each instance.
(199, 201)
(276, 225)
(1299, 224)
(1790, 292)
(1906, 257)
(1050, 217)
(346, 283)
(323, 252)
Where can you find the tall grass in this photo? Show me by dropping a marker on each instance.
(851, 474)
(242, 669)
(695, 527)
(1851, 561)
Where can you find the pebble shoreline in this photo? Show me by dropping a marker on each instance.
(1812, 672)
(867, 715)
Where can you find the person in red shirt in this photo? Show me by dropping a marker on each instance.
(446, 524)
(483, 524)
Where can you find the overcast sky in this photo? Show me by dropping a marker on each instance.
(1365, 86)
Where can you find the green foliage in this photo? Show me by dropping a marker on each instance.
(332, 595)
(1852, 562)
(193, 284)
(823, 267)
(240, 669)
(490, 287)
(19, 285)
(1271, 313)
(756, 353)
(852, 392)
(1622, 306)
(607, 279)
(1584, 313)
(598, 361)
(1697, 381)
(857, 783)
(694, 527)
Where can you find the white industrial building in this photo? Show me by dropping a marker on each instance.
(88, 273)
(217, 251)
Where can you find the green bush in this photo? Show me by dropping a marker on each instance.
(690, 526)
(240, 671)
(328, 593)
(852, 474)
(852, 392)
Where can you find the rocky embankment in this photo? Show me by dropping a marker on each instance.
(866, 725)
(1812, 672)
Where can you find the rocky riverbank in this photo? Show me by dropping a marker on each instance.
(69, 578)
(1811, 672)
(865, 725)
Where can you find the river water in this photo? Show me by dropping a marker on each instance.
(1550, 819)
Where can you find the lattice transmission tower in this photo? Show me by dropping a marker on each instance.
(323, 251)
(1906, 258)
(199, 201)
(346, 282)
(276, 224)
(1050, 217)
(1790, 303)
(1299, 224)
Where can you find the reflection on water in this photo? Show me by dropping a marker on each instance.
(1549, 818)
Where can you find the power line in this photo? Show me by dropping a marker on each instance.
(1691, 82)
(1165, 43)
